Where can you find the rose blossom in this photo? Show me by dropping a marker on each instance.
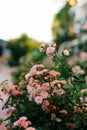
(52, 44)
(83, 91)
(45, 105)
(77, 69)
(50, 51)
(42, 47)
(55, 82)
(64, 112)
(38, 99)
(77, 109)
(16, 92)
(26, 124)
(65, 52)
(10, 110)
(35, 70)
(45, 86)
(63, 82)
(31, 128)
(58, 119)
(22, 122)
(60, 92)
(81, 99)
(27, 76)
(54, 107)
(43, 72)
(29, 88)
(54, 73)
(84, 27)
(44, 94)
(81, 72)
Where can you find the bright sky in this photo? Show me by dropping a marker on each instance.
(33, 17)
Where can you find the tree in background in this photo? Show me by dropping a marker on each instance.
(63, 23)
(20, 47)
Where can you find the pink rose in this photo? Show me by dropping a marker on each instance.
(38, 99)
(45, 105)
(23, 118)
(31, 128)
(50, 51)
(52, 44)
(45, 86)
(33, 71)
(83, 91)
(64, 112)
(29, 88)
(55, 82)
(10, 110)
(54, 73)
(65, 52)
(25, 124)
(42, 47)
(81, 99)
(22, 122)
(17, 92)
(44, 94)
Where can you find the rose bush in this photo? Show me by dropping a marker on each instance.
(51, 98)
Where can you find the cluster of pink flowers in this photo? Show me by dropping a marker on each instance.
(23, 122)
(10, 89)
(43, 84)
(49, 49)
(77, 69)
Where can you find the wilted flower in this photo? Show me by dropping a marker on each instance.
(53, 116)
